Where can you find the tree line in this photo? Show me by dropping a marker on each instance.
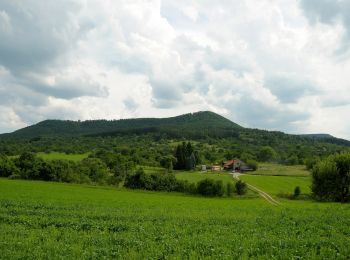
(106, 168)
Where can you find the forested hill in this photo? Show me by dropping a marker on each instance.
(193, 126)
(192, 122)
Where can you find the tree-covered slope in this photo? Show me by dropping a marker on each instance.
(194, 122)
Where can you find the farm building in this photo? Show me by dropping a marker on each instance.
(215, 168)
(236, 165)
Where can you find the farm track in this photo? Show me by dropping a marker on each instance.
(263, 194)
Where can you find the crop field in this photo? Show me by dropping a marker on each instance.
(63, 156)
(278, 184)
(55, 220)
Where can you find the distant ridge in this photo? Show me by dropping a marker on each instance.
(199, 125)
(194, 121)
(318, 136)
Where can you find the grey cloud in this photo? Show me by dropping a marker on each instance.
(335, 102)
(289, 89)
(329, 12)
(130, 104)
(68, 87)
(166, 94)
(39, 32)
(255, 113)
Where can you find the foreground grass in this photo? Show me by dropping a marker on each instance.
(63, 156)
(53, 220)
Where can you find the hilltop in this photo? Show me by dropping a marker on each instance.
(147, 140)
(198, 121)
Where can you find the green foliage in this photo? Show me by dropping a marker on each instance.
(156, 182)
(209, 187)
(147, 141)
(252, 164)
(331, 178)
(168, 162)
(7, 167)
(311, 162)
(230, 189)
(95, 169)
(297, 192)
(185, 157)
(241, 187)
(266, 154)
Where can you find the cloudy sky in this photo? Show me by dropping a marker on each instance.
(270, 64)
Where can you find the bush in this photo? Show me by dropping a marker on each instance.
(331, 178)
(297, 192)
(155, 181)
(7, 167)
(310, 163)
(95, 169)
(209, 187)
(241, 187)
(252, 164)
(230, 189)
(14, 177)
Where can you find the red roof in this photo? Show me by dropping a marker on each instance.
(230, 162)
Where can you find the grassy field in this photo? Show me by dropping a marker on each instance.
(150, 169)
(63, 156)
(195, 177)
(54, 220)
(281, 170)
(278, 184)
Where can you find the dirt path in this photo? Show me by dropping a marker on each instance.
(263, 194)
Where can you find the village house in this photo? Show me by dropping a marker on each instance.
(215, 168)
(236, 166)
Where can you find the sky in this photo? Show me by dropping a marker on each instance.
(269, 64)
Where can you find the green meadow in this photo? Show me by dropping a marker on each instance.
(273, 169)
(278, 184)
(68, 221)
(197, 176)
(63, 156)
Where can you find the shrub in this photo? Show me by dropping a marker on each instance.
(252, 164)
(155, 181)
(14, 177)
(209, 187)
(135, 181)
(95, 169)
(331, 178)
(7, 167)
(241, 187)
(230, 189)
(297, 192)
(310, 163)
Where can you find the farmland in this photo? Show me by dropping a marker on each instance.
(55, 220)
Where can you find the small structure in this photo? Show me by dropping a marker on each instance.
(203, 168)
(236, 166)
(215, 168)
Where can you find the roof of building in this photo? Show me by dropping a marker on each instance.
(230, 162)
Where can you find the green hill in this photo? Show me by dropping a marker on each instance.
(199, 121)
(146, 140)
